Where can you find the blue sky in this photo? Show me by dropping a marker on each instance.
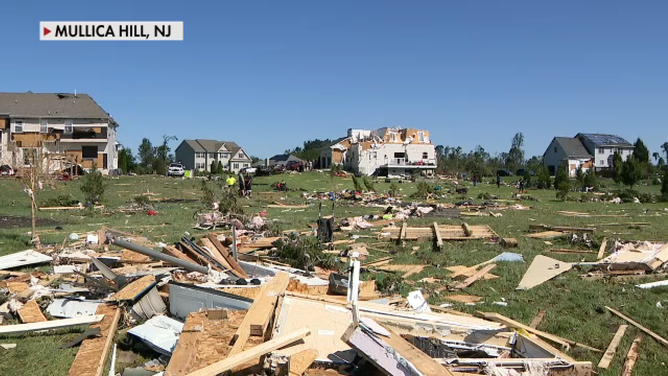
(271, 74)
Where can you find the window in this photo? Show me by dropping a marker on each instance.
(601, 150)
(199, 155)
(393, 137)
(89, 152)
(18, 126)
(369, 156)
(425, 155)
(44, 126)
(421, 136)
(375, 155)
(212, 155)
(69, 127)
(235, 166)
(601, 162)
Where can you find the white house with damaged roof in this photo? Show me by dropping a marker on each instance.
(200, 154)
(388, 151)
(66, 130)
(586, 151)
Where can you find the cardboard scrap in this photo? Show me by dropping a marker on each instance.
(542, 269)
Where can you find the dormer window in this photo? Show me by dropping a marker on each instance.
(18, 126)
(69, 127)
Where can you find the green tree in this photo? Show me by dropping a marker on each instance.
(561, 180)
(214, 167)
(162, 155)
(220, 168)
(146, 156)
(93, 186)
(515, 158)
(631, 172)
(579, 176)
(617, 164)
(126, 161)
(640, 152)
(544, 181)
(664, 186)
(590, 179)
(664, 146)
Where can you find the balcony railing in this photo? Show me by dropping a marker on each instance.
(419, 163)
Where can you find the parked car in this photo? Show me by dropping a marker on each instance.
(176, 169)
(6, 170)
(504, 173)
(522, 171)
(294, 166)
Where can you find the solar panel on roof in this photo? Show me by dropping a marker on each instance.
(605, 139)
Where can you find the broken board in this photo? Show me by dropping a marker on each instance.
(30, 312)
(92, 354)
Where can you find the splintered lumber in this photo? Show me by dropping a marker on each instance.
(601, 251)
(402, 234)
(447, 232)
(509, 242)
(612, 347)
(252, 353)
(467, 229)
(30, 312)
(393, 355)
(52, 324)
(542, 269)
(567, 251)
(631, 357)
(262, 308)
(380, 261)
(408, 269)
(172, 251)
(236, 267)
(93, 352)
(479, 274)
(562, 228)
(132, 290)
(208, 245)
(537, 319)
(637, 325)
(514, 324)
(288, 206)
(545, 235)
(301, 361)
(437, 235)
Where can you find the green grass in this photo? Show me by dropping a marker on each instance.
(574, 307)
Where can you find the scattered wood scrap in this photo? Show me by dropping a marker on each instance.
(437, 236)
(601, 250)
(612, 347)
(468, 281)
(537, 319)
(447, 232)
(262, 309)
(51, 324)
(461, 298)
(566, 251)
(301, 361)
(408, 270)
(132, 290)
(545, 235)
(542, 269)
(561, 228)
(30, 312)
(253, 353)
(657, 337)
(631, 357)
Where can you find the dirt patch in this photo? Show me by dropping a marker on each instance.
(10, 221)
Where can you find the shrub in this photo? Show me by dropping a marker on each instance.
(61, 200)
(423, 190)
(368, 183)
(394, 190)
(664, 186)
(358, 184)
(93, 186)
(142, 200)
(544, 181)
(562, 195)
(590, 180)
(208, 197)
(303, 252)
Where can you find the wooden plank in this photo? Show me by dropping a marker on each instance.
(30, 312)
(262, 308)
(566, 251)
(545, 235)
(93, 352)
(437, 234)
(250, 354)
(186, 347)
(601, 250)
(542, 269)
(631, 357)
(537, 319)
(637, 325)
(135, 288)
(172, 251)
(402, 234)
(196, 256)
(479, 274)
(467, 229)
(206, 243)
(612, 347)
(226, 254)
(514, 324)
(52, 324)
(301, 361)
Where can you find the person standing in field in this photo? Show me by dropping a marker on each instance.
(498, 180)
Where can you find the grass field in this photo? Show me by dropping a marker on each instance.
(574, 307)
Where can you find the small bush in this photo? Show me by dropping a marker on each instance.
(93, 186)
(208, 197)
(303, 252)
(562, 195)
(142, 200)
(369, 184)
(358, 183)
(423, 190)
(61, 200)
(394, 190)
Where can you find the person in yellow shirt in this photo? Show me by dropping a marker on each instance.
(231, 180)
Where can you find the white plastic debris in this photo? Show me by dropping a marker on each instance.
(160, 332)
(73, 237)
(418, 302)
(71, 308)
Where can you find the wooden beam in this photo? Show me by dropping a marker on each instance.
(612, 347)
(402, 233)
(479, 274)
(263, 307)
(467, 229)
(637, 325)
(235, 360)
(46, 325)
(601, 250)
(537, 319)
(514, 324)
(206, 243)
(93, 352)
(631, 357)
(226, 254)
(439, 240)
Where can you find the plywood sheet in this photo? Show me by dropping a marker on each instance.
(30, 312)
(135, 288)
(93, 352)
(542, 269)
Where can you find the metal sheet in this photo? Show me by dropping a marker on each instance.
(161, 333)
(24, 258)
(71, 308)
(149, 305)
(184, 299)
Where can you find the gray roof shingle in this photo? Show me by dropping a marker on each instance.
(37, 105)
(573, 147)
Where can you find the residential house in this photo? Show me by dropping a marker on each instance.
(66, 129)
(569, 150)
(603, 148)
(384, 151)
(200, 154)
(282, 159)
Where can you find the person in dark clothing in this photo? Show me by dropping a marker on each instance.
(248, 183)
(498, 181)
(522, 185)
(475, 180)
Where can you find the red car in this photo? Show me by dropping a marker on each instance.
(294, 166)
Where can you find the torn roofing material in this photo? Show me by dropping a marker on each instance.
(160, 333)
(185, 298)
(24, 258)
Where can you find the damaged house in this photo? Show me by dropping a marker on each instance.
(67, 129)
(384, 151)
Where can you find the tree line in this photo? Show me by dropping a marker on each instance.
(150, 159)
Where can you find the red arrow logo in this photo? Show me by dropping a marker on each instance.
(46, 31)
